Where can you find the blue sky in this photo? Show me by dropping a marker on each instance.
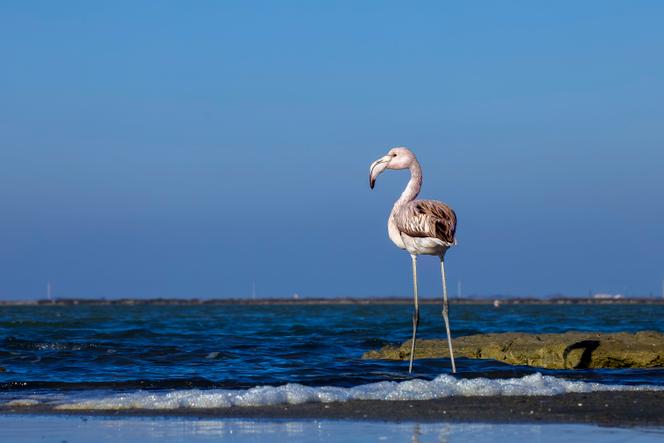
(189, 149)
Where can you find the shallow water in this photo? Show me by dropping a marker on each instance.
(28, 429)
(61, 349)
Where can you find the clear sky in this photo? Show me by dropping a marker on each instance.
(188, 149)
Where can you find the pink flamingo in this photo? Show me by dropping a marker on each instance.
(421, 227)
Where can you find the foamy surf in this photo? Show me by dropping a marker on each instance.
(441, 387)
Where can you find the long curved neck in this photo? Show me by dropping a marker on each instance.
(413, 187)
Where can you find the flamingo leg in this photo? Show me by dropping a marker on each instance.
(445, 316)
(416, 314)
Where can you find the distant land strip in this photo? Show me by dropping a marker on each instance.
(496, 301)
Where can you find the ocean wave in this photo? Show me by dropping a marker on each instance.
(441, 387)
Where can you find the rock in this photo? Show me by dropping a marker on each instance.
(570, 350)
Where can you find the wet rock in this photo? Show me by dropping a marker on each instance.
(570, 350)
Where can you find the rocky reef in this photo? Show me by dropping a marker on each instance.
(570, 350)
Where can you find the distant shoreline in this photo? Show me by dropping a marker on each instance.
(334, 301)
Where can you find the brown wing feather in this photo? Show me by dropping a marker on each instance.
(427, 218)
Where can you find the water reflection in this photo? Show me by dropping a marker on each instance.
(24, 429)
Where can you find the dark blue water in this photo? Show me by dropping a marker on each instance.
(237, 346)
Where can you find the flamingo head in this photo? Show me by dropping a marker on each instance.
(396, 158)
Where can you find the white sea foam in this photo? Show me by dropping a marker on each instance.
(440, 387)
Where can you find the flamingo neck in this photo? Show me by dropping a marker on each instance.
(413, 187)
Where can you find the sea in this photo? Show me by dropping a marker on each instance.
(147, 356)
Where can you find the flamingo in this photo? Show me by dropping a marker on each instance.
(421, 227)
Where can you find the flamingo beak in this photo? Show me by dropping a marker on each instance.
(376, 168)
